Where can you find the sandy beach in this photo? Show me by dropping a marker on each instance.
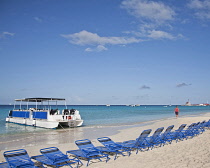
(192, 153)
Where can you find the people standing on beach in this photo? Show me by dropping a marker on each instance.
(176, 111)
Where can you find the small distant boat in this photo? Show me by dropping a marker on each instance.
(108, 105)
(42, 116)
(137, 105)
(132, 105)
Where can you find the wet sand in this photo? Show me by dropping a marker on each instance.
(58, 136)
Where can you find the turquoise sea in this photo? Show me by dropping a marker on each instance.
(113, 115)
(99, 120)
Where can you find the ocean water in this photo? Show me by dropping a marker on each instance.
(102, 115)
(98, 121)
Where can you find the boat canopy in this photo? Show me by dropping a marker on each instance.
(39, 99)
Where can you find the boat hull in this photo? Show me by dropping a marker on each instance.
(71, 123)
(44, 123)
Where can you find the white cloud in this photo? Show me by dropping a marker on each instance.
(38, 19)
(149, 10)
(155, 34)
(88, 49)
(152, 15)
(5, 34)
(201, 8)
(87, 38)
(99, 48)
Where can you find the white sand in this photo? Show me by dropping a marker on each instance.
(192, 153)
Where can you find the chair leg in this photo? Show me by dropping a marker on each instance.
(137, 151)
(88, 162)
(107, 158)
(115, 157)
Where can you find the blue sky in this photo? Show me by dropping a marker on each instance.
(105, 51)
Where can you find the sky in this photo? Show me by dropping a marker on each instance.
(94, 52)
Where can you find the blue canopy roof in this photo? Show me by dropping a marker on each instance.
(39, 99)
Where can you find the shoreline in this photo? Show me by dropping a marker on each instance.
(64, 136)
(117, 134)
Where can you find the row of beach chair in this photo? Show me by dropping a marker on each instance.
(87, 151)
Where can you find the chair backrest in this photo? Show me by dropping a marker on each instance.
(84, 143)
(191, 126)
(197, 123)
(106, 141)
(53, 153)
(168, 130)
(157, 132)
(156, 135)
(20, 157)
(202, 123)
(181, 127)
(143, 136)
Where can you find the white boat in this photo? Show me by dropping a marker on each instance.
(44, 116)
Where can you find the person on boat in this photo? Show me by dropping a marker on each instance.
(176, 111)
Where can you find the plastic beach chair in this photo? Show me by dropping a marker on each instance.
(140, 143)
(113, 147)
(206, 125)
(18, 158)
(201, 126)
(191, 131)
(88, 151)
(54, 157)
(4, 165)
(177, 134)
(155, 139)
(165, 136)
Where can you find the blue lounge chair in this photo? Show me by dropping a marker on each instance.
(165, 136)
(206, 125)
(4, 165)
(88, 151)
(18, 158)
(177, 134)
(113, 147)
(140, 143)
(155, 139)
(201, 126)
(54, 157)
(191, 131)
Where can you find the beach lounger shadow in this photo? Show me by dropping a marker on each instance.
(112, 147)
(140, 143)
(54, 157)
(18, 158)
(87, 151)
